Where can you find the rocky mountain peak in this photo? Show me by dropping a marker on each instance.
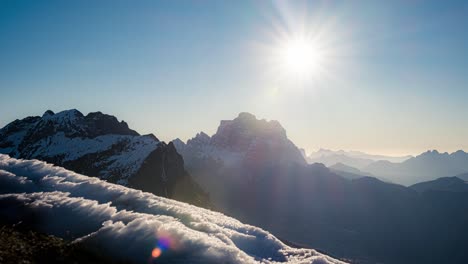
(48, 113)
(240, 132)
(246, 116)
(243, 140)
(63, 116)
(73, 123)
(201, 137)
(460, 152)
(107, 124)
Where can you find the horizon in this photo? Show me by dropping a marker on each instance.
(385, 78)
(307, 152)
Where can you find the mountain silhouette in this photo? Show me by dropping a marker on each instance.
(427, 166)
(253, 172)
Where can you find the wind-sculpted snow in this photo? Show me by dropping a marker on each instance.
(131, 225)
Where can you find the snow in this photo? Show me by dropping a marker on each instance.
(128, 224)
(15, 140)
(126, 162)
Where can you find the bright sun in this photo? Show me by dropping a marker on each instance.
(300, 57)
(302, 49)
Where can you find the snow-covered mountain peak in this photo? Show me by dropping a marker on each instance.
(63, 116)
(102, 146)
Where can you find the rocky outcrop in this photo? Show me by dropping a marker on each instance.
(163, 172)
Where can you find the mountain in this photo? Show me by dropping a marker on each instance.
(242, 148)
(254, 173)
(348, 172)
(244, 140)
(126, 225)
(463, 176)
(428, 166)
(99, 145)
(332, 159)
(354, 159)
(445, 184)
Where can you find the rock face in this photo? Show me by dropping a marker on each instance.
(99, 145)
(243, 141)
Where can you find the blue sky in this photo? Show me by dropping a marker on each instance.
(395, 78)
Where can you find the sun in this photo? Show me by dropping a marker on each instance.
(300, 57)
(303, 48)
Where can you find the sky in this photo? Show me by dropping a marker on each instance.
(389, 77)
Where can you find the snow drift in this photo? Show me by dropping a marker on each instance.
(132, 225)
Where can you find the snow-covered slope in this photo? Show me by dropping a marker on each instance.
(99, 145)
(131, 225)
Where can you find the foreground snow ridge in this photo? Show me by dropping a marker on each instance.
(131, 225)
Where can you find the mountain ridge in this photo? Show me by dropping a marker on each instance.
(427, 166)
(99, 145)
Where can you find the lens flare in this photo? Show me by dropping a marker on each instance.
(156, 253)
(164, 243)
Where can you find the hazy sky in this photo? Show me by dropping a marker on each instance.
(392, 79)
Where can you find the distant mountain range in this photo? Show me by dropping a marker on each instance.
(406, 170)
(255, 173)
(444, 184)
(354, 159)
(348, 172)
(425, 167)
(99, 145)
